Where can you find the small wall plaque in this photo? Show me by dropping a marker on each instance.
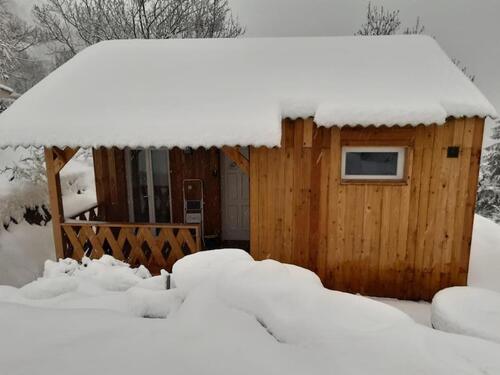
(453, 151)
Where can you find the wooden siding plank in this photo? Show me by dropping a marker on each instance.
(470, 204)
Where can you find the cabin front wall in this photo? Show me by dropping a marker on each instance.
(404, 239)
(202, 164)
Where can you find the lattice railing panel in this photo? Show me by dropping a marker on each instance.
(156, 246)
(90, 214)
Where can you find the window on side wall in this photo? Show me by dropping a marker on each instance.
(376, 163)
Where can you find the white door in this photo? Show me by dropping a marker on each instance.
(235, 201)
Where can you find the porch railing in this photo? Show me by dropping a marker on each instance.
(90, 214)
(156, 246)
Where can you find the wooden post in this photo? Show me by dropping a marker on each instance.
(55, 199)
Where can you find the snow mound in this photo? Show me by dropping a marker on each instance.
(49, 288)
(468, 311)
(23, 251)
(484, 266)
(227, 311)
(189, 272)
(104, 283)
(214, 92)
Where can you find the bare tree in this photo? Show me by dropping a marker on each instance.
(31, 168)
(382, 21)
(418, 28)
(16, 37)
(464, 69)
(73, 25)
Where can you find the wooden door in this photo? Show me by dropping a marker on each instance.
(235, 201)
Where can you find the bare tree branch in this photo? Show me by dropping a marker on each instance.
(16, 36)
(73, 25)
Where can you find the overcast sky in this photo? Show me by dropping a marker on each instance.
(468, 30)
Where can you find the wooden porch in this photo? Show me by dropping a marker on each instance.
(96, 230)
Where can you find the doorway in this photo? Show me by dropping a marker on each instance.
(235, 203)
(148, 185)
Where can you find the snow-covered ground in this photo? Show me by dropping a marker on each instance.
(419, 311)
(468, 311)
(474, 310)
(484, 267)
(226, 315)
(270, 311)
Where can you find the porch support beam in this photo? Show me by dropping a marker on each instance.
(62, 157)
(55, 160)
(235, 155)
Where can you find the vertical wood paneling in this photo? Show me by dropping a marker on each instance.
(203, 164)
(111, 183)
(403, 240)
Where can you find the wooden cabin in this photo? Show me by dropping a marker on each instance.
(355, 157)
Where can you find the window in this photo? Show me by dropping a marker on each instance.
(373, 163)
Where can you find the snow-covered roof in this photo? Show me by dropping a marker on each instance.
(236, 91)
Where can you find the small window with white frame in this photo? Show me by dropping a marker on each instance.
(373, 163)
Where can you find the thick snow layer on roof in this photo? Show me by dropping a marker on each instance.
(236, 91)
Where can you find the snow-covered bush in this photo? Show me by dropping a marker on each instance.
(488, 196)
(29, 169)
(24, 193)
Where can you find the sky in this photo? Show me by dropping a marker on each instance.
(468, 30)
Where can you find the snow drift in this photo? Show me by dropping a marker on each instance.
(240, 317)
(468, 311)
(484, 265)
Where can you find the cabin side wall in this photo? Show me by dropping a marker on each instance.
(404, 240)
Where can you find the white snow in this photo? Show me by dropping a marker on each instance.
(214, 92)
(23, 247)
(468, 311)
(474, 310)
(484, 265)
(77, 184)
(246, 317)
(419, 311)
(23, 250)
